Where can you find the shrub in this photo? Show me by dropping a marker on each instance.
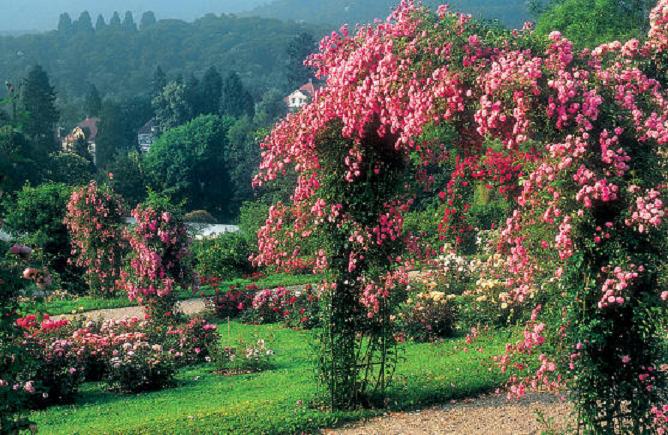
(160, 258)
(231, 303)
(137, 365)
(36, 216)
(95, 220)
(58, 372)
(253, 215)
(428, 316)
(17, 368)
(296, 307)
(224, 257)
(194, 340)
(245, 358)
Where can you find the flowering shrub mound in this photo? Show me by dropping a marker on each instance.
(230, 303)
(194, 340)
(95, 222)
(576, 141)
(138, 365)
(58, 369)
(160, 258)
(243, 359)
(428, 316)
(298, 308)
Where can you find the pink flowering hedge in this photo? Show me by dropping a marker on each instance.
(576, 141)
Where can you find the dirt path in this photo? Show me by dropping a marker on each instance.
(188, 307)
(483, 415)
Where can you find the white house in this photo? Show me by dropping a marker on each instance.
(86, 131)
(301, 97)
(147, 136)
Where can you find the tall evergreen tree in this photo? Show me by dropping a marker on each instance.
(84, 24)
(159, 81)
(194, 95)
(65, 24)
(115, 21)
(129, 24)
(212, 88)
(93, 102)
(38, 99)
(171, 107)
(147, 20)
(298, 50)
(100, 24)
(111, 137)
(235, 100)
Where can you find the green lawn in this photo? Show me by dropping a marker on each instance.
(89, 303)
(275, 401)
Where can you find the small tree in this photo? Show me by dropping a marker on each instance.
(95, 222)
(160, 258)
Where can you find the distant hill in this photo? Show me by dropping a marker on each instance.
(42, 15)
(121, 62)
(512, 13)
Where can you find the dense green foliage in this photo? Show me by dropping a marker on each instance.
(225, 256)
(593, 22)
(188, 164)
(36, 218)
(120, 62)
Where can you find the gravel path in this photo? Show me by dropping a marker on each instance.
(189, 307)
(483, 415)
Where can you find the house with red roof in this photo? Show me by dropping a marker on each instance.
(301, 97)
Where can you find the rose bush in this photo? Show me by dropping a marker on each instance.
(160, 258)
(95, 220)
(575, 141)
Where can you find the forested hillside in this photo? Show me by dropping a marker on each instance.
(119, 57)
(41, 15)
(510, 12)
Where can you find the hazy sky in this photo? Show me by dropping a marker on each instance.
(20, 15)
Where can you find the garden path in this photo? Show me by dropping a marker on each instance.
(484, 415)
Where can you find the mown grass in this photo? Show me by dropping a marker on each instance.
(89, 303)
(276, 401)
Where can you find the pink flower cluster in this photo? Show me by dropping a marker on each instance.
(614, 287)
(648, 211)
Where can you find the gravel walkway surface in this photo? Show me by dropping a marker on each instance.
(483, 415)
(189, 307)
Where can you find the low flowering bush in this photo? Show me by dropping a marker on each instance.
(194, 339)
(243, 359)
(231, 303)
(298, 308)
(58, 369)
(428, 316)
(137, 365)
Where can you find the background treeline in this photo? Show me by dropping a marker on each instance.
(335, 12)
(119, 54)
